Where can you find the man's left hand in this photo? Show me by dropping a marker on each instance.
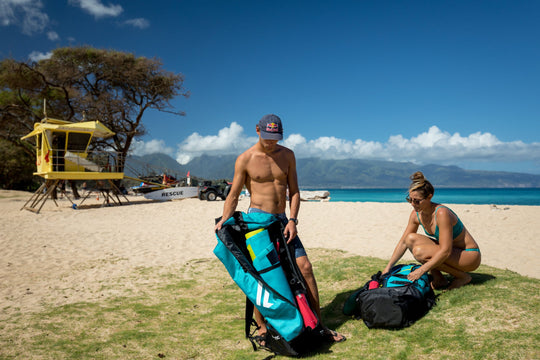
(290, 231)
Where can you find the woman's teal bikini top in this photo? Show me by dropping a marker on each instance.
(456, 229)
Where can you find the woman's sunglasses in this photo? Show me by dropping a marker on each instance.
(414, 201)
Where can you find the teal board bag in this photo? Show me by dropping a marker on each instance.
(252, 249)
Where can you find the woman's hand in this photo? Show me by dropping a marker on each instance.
(416, 274)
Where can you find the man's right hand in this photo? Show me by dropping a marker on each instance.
(218, 225)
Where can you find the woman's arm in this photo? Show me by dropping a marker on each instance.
(444, 222)
(401, 247)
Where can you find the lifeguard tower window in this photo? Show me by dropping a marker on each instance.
(78, 141)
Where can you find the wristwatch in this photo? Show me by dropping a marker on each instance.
(294, 220)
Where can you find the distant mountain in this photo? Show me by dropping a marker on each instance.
(206, 167)
(355, 173)
(153, 164)
(350, 173)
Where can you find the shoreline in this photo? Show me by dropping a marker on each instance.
(449, 196)
(64, 255)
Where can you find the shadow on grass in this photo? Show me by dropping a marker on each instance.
(478, 278)
(332, 314)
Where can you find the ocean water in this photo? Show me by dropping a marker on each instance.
(507, 196)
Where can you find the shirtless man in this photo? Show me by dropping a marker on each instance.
(267, 170)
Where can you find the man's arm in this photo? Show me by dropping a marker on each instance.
(236, 188)
(294, 199)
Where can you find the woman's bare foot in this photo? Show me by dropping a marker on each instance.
(460, 281)
(439, 280)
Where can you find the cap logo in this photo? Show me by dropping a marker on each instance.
(272, 127)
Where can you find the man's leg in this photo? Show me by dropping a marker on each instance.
(261, 323)
(313, 293)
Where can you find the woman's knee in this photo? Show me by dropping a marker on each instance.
(410, 239)
(421, 253)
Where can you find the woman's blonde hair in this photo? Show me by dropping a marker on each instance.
(420, 184)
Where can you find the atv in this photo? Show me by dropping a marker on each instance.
(211, 192)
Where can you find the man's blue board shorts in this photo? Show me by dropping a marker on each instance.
(299, 250)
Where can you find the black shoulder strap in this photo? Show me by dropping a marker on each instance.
(251, 335)
(248, 316)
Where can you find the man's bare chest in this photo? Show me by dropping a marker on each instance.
(267, 170)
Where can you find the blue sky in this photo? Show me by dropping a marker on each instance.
(444, 82)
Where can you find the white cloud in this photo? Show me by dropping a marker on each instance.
(231, 140)
(97, 9)
(331, 147)
(53, 35)
(141, 148)
(24, 13)
(138, 23)
(433, 146)
(37, 56)
(444, 148)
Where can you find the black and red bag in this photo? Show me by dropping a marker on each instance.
(391, 300)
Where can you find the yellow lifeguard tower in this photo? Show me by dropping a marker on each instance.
(62, 154)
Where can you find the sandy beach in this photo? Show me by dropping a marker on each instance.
(64, 255)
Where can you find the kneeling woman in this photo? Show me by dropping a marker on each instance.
(447, 245)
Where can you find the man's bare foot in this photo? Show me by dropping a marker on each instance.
(439, 280)
(260, 339)
(333, 336)
(460, 281)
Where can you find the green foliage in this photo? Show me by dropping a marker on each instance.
(113, 87)
(16, 168)
(196, 312)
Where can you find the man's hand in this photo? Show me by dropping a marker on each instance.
(290, 231)
(219, 224)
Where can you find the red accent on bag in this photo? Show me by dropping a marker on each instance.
(310, 320)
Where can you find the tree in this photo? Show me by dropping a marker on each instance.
(114, 87)
(16, 167)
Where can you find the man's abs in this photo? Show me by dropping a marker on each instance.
(269, 197)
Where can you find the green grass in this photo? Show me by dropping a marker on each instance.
(196, 312)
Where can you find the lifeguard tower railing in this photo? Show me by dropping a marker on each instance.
(58, 165)
(72, 165)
